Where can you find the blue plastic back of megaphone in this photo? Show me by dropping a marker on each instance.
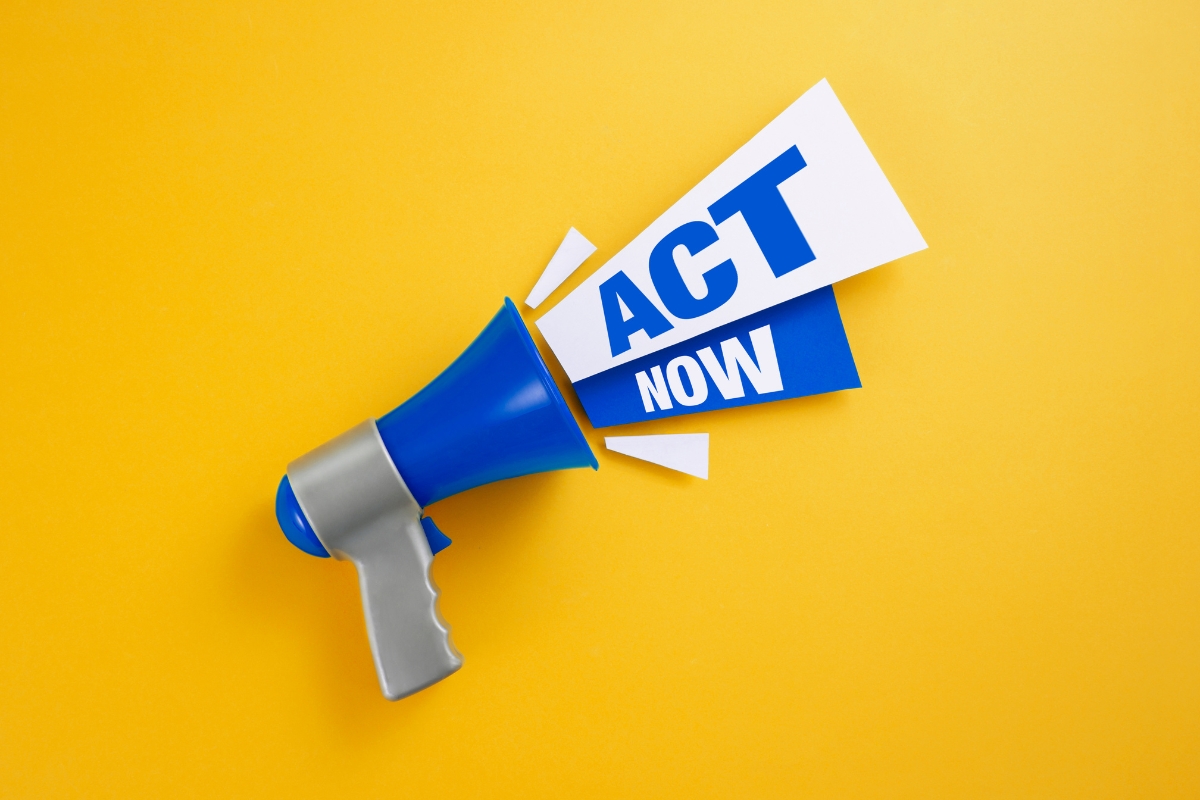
(494, 413)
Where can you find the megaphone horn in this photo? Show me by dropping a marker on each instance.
(494, 413)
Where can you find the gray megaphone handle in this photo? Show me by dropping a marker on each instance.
(362, 511)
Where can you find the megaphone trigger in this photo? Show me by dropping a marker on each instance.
(438, 541)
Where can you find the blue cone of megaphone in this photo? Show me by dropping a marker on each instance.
(494, 413)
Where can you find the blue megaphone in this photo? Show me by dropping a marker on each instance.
(494, 413)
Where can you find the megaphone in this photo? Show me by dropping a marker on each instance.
(494, 413)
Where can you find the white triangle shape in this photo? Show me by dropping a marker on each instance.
(573, 251)
(683, 452)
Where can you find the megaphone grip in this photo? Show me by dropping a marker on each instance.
(362, 511)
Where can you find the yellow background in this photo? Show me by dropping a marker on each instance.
(229, 232)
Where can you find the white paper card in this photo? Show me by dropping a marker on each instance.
(574, 250)
(800, 206)
(682, 452)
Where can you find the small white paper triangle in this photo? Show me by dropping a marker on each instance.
(573, 251)
(683, 452)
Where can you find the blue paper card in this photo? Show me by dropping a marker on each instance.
(792, 349)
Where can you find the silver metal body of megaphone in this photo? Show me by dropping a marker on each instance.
(363, 512)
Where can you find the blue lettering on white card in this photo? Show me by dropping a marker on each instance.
(800, 206)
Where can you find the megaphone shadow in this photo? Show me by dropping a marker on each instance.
(313, 605)
(492, 526)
